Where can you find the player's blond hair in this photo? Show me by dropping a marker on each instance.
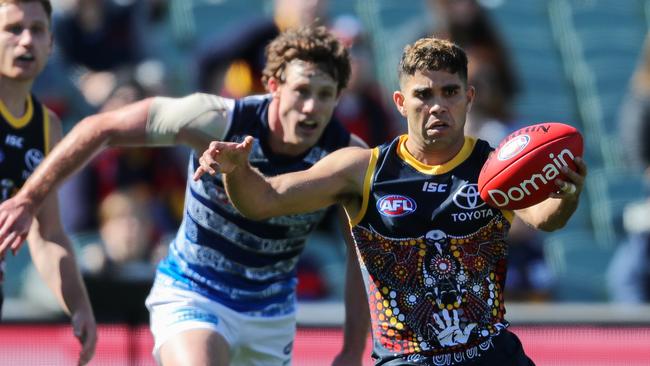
(47, 5)
(433, 54)
(312, 44)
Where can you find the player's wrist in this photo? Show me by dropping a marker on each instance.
(25, 202)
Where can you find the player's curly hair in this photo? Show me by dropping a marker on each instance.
(433, 54)
(312, 44)
(47, 5)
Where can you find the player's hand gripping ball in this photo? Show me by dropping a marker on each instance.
(521, 172)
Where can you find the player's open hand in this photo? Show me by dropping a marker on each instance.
(223, 157)
(571, 186)
(16, 216)
(85, 329)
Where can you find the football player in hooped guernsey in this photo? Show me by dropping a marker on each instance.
(226, 292)
(433, 254)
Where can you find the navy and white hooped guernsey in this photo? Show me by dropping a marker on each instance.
(248, 266)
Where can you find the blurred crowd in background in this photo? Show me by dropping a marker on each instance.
(124, 207)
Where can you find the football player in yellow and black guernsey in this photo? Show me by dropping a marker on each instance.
(27, 131)
(433, 254)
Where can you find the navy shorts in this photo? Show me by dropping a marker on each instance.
(503, 350)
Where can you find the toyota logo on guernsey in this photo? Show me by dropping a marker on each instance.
(513, 147)
(395, 205)
(468, 197)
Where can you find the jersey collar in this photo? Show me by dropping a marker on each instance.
(463, 154)
(19, 122)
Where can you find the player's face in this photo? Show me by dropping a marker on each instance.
(25, 40)
(307, 98)
(435, 104)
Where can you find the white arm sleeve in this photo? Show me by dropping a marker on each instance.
(200, 115)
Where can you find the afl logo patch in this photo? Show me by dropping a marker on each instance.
(396, 205)
(33, 157)
(513, 147)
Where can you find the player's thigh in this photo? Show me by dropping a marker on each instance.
(193, 326)
(200, 347)
(269, 341)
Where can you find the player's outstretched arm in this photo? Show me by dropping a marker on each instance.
(554, 212)
(338, 178)
(194, 120)
(54, 259)
(86, 139)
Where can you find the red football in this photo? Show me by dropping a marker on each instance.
(522, 170)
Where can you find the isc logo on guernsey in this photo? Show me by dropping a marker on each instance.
(395, 205)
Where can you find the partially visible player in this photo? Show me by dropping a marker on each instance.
(27, 131)
(226, 293)
(433, 254)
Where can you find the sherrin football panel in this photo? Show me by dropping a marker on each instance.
(526, 177)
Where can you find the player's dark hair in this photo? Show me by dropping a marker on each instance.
(47, 6)
(433, 54)
(312, 44)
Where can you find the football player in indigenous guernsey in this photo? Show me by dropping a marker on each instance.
(432, 252)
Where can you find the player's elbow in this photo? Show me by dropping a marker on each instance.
(550, 225)
(252, 210)
(94, 129)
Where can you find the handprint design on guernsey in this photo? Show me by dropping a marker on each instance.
(448, 329)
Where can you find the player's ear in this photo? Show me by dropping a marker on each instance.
(398, 98)
(471, 94)
(273, 86)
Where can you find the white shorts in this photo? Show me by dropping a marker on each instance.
(263, 341)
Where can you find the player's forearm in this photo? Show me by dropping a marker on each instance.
(81, 144)
(553, 213)
(55, 262)
(123, 127)
(250, 192)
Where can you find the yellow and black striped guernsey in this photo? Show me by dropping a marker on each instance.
(24, 141)
(433, 256)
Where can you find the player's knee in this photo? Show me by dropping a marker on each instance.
(195, 347)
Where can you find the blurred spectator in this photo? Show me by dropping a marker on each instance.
(127, 236)
(100, 34)
(361, 108)
(57, 91)
(628, 275)
(528, 277)
(231, 65)
(97, 44)
(119, 270)
(468, 24)
(634, 121)
(101, 43)
(491, 117)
